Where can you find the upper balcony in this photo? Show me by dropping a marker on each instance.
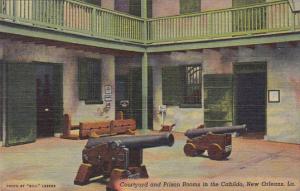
(72, 21)
(85, 20)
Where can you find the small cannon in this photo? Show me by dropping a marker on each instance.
(118, 157)
(216, 140)
(167, 128)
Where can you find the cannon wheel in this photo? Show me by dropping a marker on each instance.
(227, 154)
(116, 174)
(215, 152)
(200, 152)
(190, 150)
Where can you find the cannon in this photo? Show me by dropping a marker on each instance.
(167, 128)
(216, 140)
(117, 157)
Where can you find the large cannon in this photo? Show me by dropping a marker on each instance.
(191, 133)
(117, 157)
(216, 140)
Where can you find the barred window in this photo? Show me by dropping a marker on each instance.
(182, 85)
(193, 84)
(89, 80)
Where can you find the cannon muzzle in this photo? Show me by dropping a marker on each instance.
(191, 133)
(140, 141)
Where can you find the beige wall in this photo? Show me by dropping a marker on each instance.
(108, 4)
(213, 61)
(207, 5)
(78, 109)
(296, 5)
(162, 8)
(283, 119)
(172, 7)
(185, 118)
(20, 52)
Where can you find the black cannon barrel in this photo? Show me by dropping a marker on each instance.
(139, 141)
(191, 133)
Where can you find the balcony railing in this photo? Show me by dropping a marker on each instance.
(263, 18)
(74, 16)
(85, 19)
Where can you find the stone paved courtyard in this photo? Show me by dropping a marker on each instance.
(55, 161)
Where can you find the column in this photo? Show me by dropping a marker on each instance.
(144, 70)
(145, 91)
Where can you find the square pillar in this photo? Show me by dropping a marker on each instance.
(145, 91)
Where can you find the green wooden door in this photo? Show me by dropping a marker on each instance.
(21, 104)
(218, 100)
(173, 78)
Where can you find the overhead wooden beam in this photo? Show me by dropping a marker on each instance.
(250, 46)
(198, 50)
(293, 44)
(271, 45)
(215, 49)
(233, 47)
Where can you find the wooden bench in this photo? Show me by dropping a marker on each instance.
(86, 129)
(113, 127)
(68, 127)
(126, 126)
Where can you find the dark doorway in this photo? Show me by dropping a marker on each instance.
(44, 101)
(135, 96)
(48, 99)
(250, 95)
(129, 92)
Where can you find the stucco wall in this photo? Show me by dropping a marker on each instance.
(162, 8)
(108, 4)
(283, 119)
(207, 5)
(185, 118)
(172, 7)
(213, 61)
(79, 111)
(283, 68)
